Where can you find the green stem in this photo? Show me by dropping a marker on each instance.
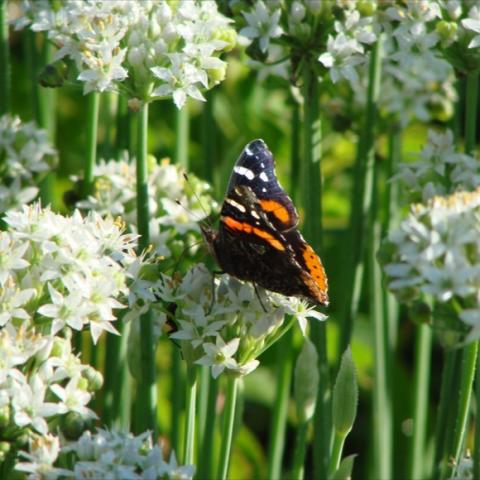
(471, 99)
(299, 453)
(337, 449)
(467, 373)
(178, 381)
(191, 400)
(423, 350)
(208, 137)
(476, 449)
(93, 102)
(5, 79)
(123, 127)
(295, 165)
(146, 399)
(446, 410)
(361, 198)
(279, 415)
(227, 431)
(382, 408)
(205, 458)
(312, 202)
(182, 128)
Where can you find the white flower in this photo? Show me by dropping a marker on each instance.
(472, 23)
(262, 24)
(73, 398)
(219, 355)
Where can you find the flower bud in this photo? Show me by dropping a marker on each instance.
(72, 425)
(345, 395)
(82, 384)
(446, 31)
(306, 382)
(4, 449)
(94, 379)
(366, 8)
(154, 29)
(227, 35)
(59, 348)
(217, 75)
(136, 56)
(297, 12)
(314, 6)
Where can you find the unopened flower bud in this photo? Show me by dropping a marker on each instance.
(59, 348)
(169, 33)
(72, 425)
(154, 28)
(366, 8)
(345, 395)
(82, 384)
(446, 31)
(5, 447)
(94, 378)
(217, 75)
(135, 39)
(4, 416)
(297, 12)
(136, 56)
(306, 381)
(227, 35)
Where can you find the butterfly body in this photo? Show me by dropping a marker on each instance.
(258, 240)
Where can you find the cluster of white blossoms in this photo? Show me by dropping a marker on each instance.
(25, 152)
(438, 169)
(175, 206)
(104, 454)
(334, 34)
(146, 49)
(436, 252)
(223, 323)
(60, 273)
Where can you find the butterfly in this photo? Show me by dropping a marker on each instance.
(258, 239)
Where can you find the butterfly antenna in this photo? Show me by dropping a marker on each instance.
(197, 197)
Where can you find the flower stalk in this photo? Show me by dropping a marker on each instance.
(471, 111)
(5, 73)
(93, 103)
(300, 450)
(228, 423)
(190, 407)
(182, 127)
(146, 399)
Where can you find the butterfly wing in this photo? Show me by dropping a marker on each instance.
(255, 168)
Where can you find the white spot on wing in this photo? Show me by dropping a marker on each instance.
(244, 172)
(262, 165)
(255, 214)
(236, 205)
(264, 189)
(248, 151)
(264, 177)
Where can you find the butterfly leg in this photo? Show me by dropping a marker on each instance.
(259, 297)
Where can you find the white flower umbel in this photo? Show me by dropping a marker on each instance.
(111, 454)
(25, 154)
(439, 169)
(436, 251)
(223, 323)
(176, 206)
(144, 49)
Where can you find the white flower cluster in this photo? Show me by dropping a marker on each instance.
(224, 324)
(175, 206)
(306, 25)
(436, 252)
(68, 272)
(105, 455)
(24, 153)
(145, 49)
(438, 170)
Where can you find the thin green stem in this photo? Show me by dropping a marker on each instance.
(299, 453)
(337, 449)
(312, 202)
(182, 128)
(178, 382)
(227, 431)
(382, 408)
(467, 373)
(446, 410)
(208, 137)
(5, 73)
(202, 403)
(123, 128)
(279, 415)
(191, 400)
(476, 448)
(205, 458)
(93, 103)
(423, 351)
(146, 399)
(471, 99)
(295, 150)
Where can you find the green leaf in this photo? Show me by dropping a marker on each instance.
(344, 471)
(345, 395)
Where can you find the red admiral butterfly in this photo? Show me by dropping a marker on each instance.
(258, 240)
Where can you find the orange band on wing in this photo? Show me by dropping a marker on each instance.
(233, 224)
(277, 209)
(315, 267)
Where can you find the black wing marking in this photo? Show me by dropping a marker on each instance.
(255, 168)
